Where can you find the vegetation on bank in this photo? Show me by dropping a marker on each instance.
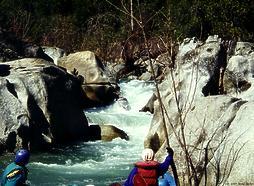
(98, 26)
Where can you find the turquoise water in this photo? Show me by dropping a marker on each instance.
(97, 163)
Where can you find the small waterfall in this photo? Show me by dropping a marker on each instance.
(99, 163)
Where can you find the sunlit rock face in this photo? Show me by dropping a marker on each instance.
(98, 86)
(240, 71)
(40, 105)
(209, 99)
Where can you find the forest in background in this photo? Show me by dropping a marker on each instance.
(97, 25)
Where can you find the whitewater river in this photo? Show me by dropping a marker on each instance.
(98, 163)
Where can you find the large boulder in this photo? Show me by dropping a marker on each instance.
(206, 116)
(40, 105)
(238, 76)
(98, 86)
(106, 133)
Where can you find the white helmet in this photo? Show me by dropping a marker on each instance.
(147, 154)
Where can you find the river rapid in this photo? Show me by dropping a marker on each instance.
(97, 163)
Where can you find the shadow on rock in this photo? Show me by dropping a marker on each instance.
(4, 70)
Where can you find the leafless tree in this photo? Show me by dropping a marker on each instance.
(195, 167)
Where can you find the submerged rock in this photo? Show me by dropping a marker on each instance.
(123, 102)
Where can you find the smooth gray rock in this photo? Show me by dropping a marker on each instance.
(221, 122)
(40, 105)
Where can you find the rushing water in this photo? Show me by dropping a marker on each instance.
(98, 163)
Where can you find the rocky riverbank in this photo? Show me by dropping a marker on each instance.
(206, 89)
(208, 98)
(42, 103)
